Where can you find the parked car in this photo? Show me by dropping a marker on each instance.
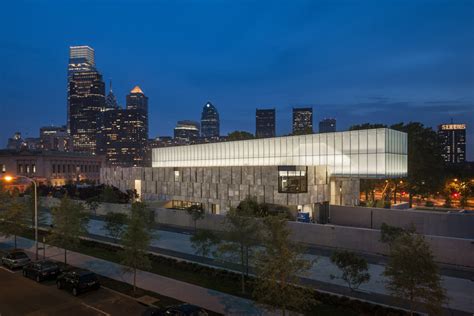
(41, 270)
(78, 281)
(178, 310)
(15, 259)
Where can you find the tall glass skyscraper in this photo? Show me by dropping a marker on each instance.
(210, 126)
(265, 123)
(81, 59)
(86, 99)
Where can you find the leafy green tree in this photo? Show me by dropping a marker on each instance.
(136, 241)
(196, 212)
(204, 241)
(279, 267)
(413, 275)
(93, 203)
(388, 233)
(241, 238)
(14, 219)
(69, 223)
(115, 224)
(366, 126)
(426, 171)
(109, 195)
(354, 268)
(239, 135)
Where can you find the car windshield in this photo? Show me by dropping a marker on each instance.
(19, 255)
(47, 265)
(88, 277)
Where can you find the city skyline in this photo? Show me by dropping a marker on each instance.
(414, 71)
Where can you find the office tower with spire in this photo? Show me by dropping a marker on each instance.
(210, 125)
(126, 132)
(110, 99)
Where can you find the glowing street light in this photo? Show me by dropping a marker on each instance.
(9, 178)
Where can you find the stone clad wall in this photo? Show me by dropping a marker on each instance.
(223, 186)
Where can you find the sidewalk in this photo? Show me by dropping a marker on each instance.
(212, 300)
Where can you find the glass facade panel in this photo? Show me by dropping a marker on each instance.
(375, 153)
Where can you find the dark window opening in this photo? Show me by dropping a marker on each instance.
(292, 179)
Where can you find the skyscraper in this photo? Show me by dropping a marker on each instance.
(126, 132)
(111, 100)
(210, 121)
(55, 138)
(186, 131)
(86, 100)
(302, 120)
(81, 59)
(327, 125)
(453, 142)
(265, 123)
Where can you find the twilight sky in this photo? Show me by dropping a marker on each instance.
(358, 61)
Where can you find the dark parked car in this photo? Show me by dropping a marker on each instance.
(15, 259)
(178, 310)
(41, 270)
(78, 281)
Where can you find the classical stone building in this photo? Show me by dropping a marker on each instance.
(297, 171)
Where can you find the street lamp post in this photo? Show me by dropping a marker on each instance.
(10, 178)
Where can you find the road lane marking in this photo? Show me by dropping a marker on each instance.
(96, 309)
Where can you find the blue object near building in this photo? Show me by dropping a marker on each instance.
(303, 217)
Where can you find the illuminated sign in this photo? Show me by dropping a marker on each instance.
(453, 126)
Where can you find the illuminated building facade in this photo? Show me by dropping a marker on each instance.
(302, 121)
(51, 167)
(296, 171)
(265, 123)
(210, 124)
(86, 99)
(126, 132)
(55, 138)
(453, 142)
(186, 131)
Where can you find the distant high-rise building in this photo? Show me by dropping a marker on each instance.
(55, 138)
(111, 101)
(453, 142)
(328, 125)
(186, 131)
(210, 121)
(126, 132)
(86, 101)
(265, 123)
(302, 120)
(81, 59)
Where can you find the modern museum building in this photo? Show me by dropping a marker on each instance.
(300, 172)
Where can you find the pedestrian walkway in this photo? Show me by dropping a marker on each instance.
(212, 300)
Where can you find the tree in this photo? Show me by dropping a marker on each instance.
(239, 135)
(69, 223)
(115, 224)
(426, 171)
(354, 268)
(196, 212)
(279, 267)
(93, 204)
(242, 235)
(14, 218)
(204, 241)
(388, 233)
(413, 275)
(109, 195)
(136, 241)
(366, 126)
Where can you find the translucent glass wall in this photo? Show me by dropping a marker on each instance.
(374, 153)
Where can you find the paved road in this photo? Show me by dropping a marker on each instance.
(22, 296)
